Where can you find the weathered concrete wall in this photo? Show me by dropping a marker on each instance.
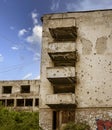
(95, 57)
(90, 115)
(16, 92)
(93, 68)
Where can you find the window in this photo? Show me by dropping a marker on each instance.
(36, 102)
(2, 102)
(20, 102)
(7, 89)
(28, 102)
(25, 89)
(10, 102)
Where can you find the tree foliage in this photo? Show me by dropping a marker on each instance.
(18, 120)
(76, 126)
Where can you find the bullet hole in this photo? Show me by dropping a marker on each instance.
(94, 53)
(82, 75)
(96, 99)
(104, 83)
(103, 92)
(88, 92)
(91, 66)
(95, 90)
(90, 98)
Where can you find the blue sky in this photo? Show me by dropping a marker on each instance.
(21, 31)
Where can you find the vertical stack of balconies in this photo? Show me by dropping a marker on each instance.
(62, 52)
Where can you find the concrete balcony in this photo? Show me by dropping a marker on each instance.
(61, 75)
(61, 100)
(62, 54)
(64, 33)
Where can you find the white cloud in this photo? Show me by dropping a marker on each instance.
(36, 35)
(36, 57)
(14, 48)
(12, 28)
(55, 5)
(22, 32)
(27, 76)
(1, 58)
(88, 5)
(34, 17)
(37, 77)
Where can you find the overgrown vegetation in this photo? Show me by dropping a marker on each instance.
(76, 126)
(18, 120)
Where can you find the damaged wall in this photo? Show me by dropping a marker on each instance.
(23, 94)
(93, 66)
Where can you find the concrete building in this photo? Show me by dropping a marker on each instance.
(76, 68)
(20, 94)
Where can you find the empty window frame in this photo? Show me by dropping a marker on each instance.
(7, 89)
(28, 102)
(10, 102)
(20, 102)
(2, 102)
(25, 89)
(36, 102)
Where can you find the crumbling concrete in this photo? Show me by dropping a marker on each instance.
(93, 70)
(23, 94)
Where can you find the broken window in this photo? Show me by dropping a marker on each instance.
(2, 102)
(10, 102)
(36, 102)
(20, 102)
(28, 102)
(68, 116)
(25, 89)
(7, 89)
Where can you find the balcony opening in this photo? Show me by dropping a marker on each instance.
(10, 102)
(64, 33)
(25, 89)
(36, 102)
(20, 102)
(7, 89)
(29, 102)
(2, 102)
(64, 89)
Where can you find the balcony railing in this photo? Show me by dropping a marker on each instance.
(61, 100)
(62, 54)
(61, 75)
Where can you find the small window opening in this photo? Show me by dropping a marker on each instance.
(2, 102)
(7, 89)
(20, 102)
(25, 89)
(10, 102)
(37, 102)
(28, 102)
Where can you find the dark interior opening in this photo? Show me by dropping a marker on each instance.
(6, 89)
(2, 102)
(28, 102)
(10, 102)
(25, 89)
(36, 102)
(20, 102)
(54, 120)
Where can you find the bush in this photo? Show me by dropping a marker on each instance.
(14, 120)
(76, 126)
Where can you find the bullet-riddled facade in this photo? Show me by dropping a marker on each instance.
(20, 94)
(76, 68)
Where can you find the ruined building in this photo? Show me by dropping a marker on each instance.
(76, 68)
(20, 94)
